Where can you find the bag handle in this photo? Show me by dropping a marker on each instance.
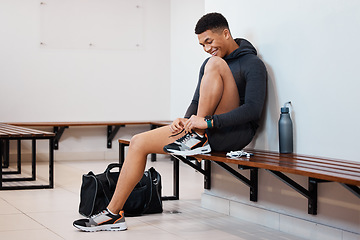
(111, 166)
(112, 184)
(147, 205)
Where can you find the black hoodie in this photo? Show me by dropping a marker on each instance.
(250, 75)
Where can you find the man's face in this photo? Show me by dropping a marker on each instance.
(214, 43)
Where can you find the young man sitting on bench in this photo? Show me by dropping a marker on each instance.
(222, 116)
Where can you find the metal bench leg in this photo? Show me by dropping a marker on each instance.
(207, 175)
(51, 163)
(5, 154)
(33, 166)
(58, 133)
(254, 184)
(310, 193)
(354, 189)
(18, 156)
(1, 160)
(1, 153)
(313, 195)
(5, 157)
(122, 152)
(153, 155)
(175, 181)
(251, 183)
(111, 132)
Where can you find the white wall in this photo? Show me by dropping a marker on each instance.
(186, 53)
(55, 82)
(104, 82)
(310, 49)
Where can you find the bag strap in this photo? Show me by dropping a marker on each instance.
(147, 205)
(106, 191)
(112, 184)
(111, 166)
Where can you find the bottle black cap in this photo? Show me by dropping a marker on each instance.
(284, 110)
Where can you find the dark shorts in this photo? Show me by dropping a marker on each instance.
(230, 138)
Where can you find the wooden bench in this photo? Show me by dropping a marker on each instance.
(112, 127)
(8, 133)
(316, 169)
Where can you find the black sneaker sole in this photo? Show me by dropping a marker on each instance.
(201, 150)
(106, 227)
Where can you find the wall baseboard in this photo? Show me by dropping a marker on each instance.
(274, 220)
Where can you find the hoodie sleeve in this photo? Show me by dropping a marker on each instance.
(255, 76)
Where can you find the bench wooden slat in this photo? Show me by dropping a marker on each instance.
(8, 132)
(22, 133)
(94, 123)
(310, 166)
(347, 167)
(315, 170)
(59, 127)
(21, 130)
(312, 158)
(15, 131)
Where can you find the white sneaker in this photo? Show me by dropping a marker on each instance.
(190, 144)
(104, 221)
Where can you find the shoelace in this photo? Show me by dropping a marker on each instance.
(185, 138)
(176, 133)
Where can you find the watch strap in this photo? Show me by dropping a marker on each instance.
(208, 120)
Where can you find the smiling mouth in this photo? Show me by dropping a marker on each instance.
(214, 52)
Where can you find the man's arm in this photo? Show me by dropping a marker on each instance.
(255, 93)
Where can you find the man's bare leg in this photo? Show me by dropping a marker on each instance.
(134, 165)
(218, 94)
(218, 90)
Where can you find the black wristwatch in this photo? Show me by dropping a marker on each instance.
(208, 119)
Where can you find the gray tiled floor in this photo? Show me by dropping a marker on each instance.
(48, 214)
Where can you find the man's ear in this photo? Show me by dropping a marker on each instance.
(226, 33)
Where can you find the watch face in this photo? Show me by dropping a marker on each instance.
(208, 117)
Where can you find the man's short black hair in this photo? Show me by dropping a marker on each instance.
(211, 21)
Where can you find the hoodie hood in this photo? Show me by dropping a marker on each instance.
(245, 47)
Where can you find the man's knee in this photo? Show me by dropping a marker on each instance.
(216, 64)
(136, 141)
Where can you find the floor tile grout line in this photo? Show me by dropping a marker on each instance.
(43, 226)
(27, 215)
